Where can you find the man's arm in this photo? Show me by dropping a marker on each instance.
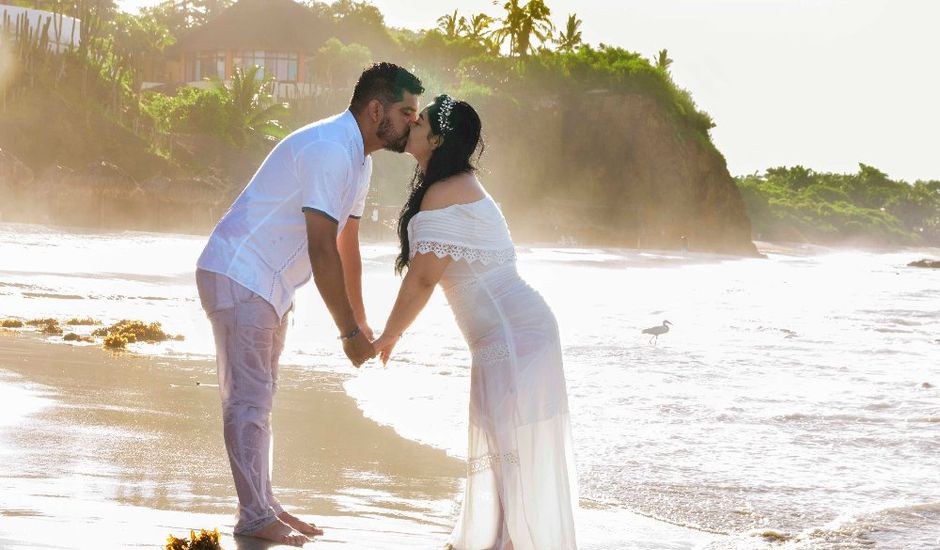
(348, 246)
(329, 278)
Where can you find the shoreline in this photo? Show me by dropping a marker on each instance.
(762, 247)
(125, 449)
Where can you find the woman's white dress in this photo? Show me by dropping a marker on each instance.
(521, 489)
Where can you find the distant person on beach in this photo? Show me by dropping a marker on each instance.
(297, 217)
(521, 489)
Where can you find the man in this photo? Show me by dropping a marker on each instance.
(307, 196)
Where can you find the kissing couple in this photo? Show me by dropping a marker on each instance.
(299, 217)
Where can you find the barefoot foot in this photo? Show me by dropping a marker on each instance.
(298, 524)
(278, 531)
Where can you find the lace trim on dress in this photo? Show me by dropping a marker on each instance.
(490, 353)
(485, 462)
(458, 252)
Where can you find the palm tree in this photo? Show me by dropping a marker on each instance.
(571, 37)
(477, 27)
(521, 23)
(252, 112)
(450, 25)
(510, 25)
(662, 60)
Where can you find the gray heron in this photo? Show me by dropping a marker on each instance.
(656, 331)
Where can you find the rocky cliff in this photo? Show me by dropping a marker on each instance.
(613, 169)
(592, 169)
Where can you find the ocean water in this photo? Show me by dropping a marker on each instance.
(796, 398)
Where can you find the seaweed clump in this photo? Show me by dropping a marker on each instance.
(46, 326)
(124, 332)
(82, 321)
(72, 337)
(205, 540)
(11, 323)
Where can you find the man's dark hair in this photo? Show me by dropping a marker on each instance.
(386, 82)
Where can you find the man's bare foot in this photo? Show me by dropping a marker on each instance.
(277, 531)
(301, 526)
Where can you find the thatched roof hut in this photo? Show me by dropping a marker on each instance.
(277, 25)
(280, 36)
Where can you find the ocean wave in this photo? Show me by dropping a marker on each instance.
(52, 295)
(901, 526)
(830, 418)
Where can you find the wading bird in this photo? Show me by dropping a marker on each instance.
(656, 331)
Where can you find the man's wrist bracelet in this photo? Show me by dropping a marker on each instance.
(352, 334)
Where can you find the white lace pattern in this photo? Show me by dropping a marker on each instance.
(485, 462)
(490, 353)
(459, 252)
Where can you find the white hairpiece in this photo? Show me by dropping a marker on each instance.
(443, 114)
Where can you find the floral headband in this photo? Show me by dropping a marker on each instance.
(443, 114)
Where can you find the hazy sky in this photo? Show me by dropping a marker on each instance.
(822, 83)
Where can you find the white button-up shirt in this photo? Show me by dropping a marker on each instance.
(261, 242)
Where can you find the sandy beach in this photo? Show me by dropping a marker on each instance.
(117, 450)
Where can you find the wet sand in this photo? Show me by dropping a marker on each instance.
(116, 450)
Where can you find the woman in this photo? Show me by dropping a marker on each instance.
(521, 485)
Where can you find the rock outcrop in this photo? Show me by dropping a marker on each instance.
(614, 169)
(933, 264)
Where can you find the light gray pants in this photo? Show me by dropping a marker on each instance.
(249, 338)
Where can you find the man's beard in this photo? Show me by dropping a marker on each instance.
(396, 143)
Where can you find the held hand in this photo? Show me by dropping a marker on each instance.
(358, 349)
(364, 327)
(384, 346)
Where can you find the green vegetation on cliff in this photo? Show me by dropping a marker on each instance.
(519, 57)
(798, 204)
(601, 137)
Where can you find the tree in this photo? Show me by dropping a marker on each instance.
(570, 39)
(105, 9)
(511, 25)
(477, 28)
(339, 65)
(662, 60)
(252, 113)
(140, 39)
(451, 26)
(181, 15)
(357, 22)
(522, 23)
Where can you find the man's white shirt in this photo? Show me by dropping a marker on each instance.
(261, 242)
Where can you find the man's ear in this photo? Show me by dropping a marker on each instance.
(376, 111)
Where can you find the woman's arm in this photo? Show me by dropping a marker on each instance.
(423, 274)
(425, 270)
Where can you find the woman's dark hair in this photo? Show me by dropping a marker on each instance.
(461, 134)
